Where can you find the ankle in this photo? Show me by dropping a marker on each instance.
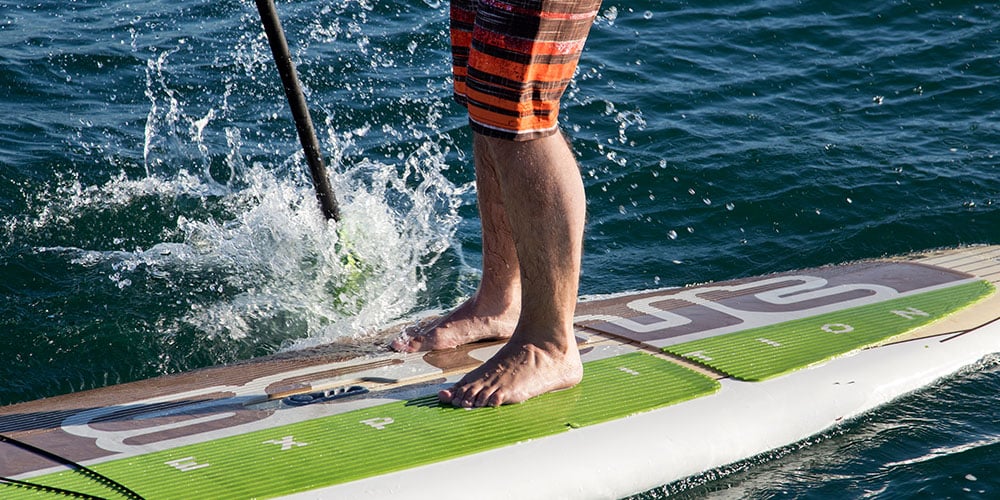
(558, 345)
(496, 305)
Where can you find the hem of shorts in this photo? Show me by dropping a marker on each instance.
(510, 135)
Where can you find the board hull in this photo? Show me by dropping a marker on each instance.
(651, 446)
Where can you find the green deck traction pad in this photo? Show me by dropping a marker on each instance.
(385, 438)
(766, 352)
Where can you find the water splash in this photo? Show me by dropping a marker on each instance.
(253, 260)
(285, 260)
(215, 232)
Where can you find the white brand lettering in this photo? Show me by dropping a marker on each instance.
(378, 423)
(769, 342)
(698, 354)
(286, 443)
(910, 313)
(185, 464)
(628, 370)
(837, 328)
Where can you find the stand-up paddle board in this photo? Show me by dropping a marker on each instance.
(676, 382)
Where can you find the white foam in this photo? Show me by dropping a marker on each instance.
(250, 249)
(946, 451)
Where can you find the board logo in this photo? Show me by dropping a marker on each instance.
(673, 316)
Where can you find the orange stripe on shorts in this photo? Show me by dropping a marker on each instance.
(513, 59)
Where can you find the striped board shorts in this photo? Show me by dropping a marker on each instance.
(513, 59)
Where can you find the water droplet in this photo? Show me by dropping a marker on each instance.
(647, 15)
(706, 201)
(850, 200)
(611, 13)
(672, 234)
(730, 206)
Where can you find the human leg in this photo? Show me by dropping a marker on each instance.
(493, 311)
(543, 195)
(512, 62)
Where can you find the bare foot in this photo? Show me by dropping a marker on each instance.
(469, 322)
(519, 371)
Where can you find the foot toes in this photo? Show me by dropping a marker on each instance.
(496, 399)
(445, 396)
(484, 397)
(407, 342)
(454, 395)
(462, 396)
(465, 398)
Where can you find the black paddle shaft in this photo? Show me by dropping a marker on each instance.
(300, 112)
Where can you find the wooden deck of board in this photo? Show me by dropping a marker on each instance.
(981, 261)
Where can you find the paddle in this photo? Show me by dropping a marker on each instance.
(297, 101)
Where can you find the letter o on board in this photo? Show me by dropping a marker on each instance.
(837, 328)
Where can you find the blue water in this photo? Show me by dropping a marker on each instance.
(156, 216)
